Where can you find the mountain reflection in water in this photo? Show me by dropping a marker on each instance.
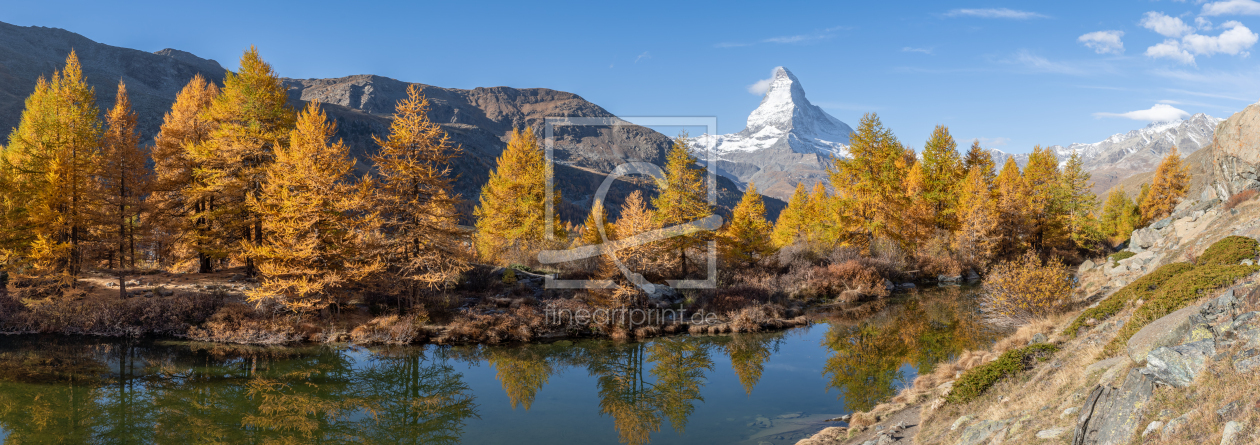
(729, 389)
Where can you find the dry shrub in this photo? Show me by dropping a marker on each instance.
(240, 323)
(1018, 291)
(849, 281)
(390, 329)
(74, 313)
(519, 324)
(1240, 197)
(934, 257)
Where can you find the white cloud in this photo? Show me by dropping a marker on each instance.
(645, 55)
(1103, 42)
(917, 50)
(996, 13)
(1170, 49)
(1202, 23)
(798, 38)
(1234, 41)
(1157, 113)
(761, 86)
(1232, 7)
(1165, 25)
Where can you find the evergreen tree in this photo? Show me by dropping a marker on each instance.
(1044, 205)
(1012, 208)
(416, 200)
(1078, 202)
(683, 198)
(979, 157)
(746, 238)
(53, 155)
(512, 210)
(177, 214)
(124, 178)
(870, 192)
(976, 239)
(316, 219)
(1172, 181)
(942, 172)
(250, 119)
(791, 222)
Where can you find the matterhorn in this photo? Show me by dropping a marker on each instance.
(787, 141)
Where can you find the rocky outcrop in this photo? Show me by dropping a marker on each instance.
(1110, 415)
(1166, 331)
(1236, 153)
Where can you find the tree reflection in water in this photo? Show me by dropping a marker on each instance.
(91, 390)
(925, 330)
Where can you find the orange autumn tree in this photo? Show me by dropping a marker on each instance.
(124, 180)
(249, 120)
(1043, 207)
(1172, 181)
(791, 222)
(416, 200)
(317, 220)
(869, 185)
(682, 198)
(177, 213)
(746, 239)
(942, 171)
(1011, 205)
(976, 240)
(921, 214)
(511, 214)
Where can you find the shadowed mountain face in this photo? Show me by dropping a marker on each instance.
(153, 79)
(478, 120)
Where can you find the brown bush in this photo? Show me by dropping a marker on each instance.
(74, 313)
(1240, 198)
(240, 323)
(390, 329)
(1019, 291)
(847, 282)
(520, 324)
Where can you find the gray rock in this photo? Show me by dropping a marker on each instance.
(1230, 436)
(1247, 262)
(1037, 338)
(1247, 365)
(961, 421)
(1161, 224)
(1228, 411)
(1174, 425)
(1179, 365)
(1052, 433)
(1069, 412)
(1110, 415)
(1166, 331)
(972, 275)
(1152, 427)
(981, 431)
(1220, 306)
(905, 286)
(949, 278)
(1086, 266)
(1103, 365)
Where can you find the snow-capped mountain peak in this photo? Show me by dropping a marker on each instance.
(787, 140)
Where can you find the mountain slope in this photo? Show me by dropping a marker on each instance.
(787, 141)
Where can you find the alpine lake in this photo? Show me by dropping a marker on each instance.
(767, 388)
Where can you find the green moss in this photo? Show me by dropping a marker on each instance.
(1142, 288)
(1116, 257)
(977, 380)
(509, 276)
(1229, 251)
(1176, 294)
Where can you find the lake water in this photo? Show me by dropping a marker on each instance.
(750, 388)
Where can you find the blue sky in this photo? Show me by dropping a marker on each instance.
(1012, 73)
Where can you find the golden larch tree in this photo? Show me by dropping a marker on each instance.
(746, 238)
(976, 239)
(1011, 203)
(683, 198)
(979, 157)
(817, 217)
(921, 213)
(942, 171)
(423, 243)
(637, 218)
(511, 214)
(1120, 216)
(54, 155)
(590, 230)
(1078, 202)
(1043, 208)
(178, 209)
(1172, 181)
(317, 220)
(249, 120)
(791, 222)
(124, 178)
(870, 184)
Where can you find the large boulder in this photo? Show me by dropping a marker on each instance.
(1179, 365)
(1236, 152)
(1110, 415)
(1166, 331)
(981, 431)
